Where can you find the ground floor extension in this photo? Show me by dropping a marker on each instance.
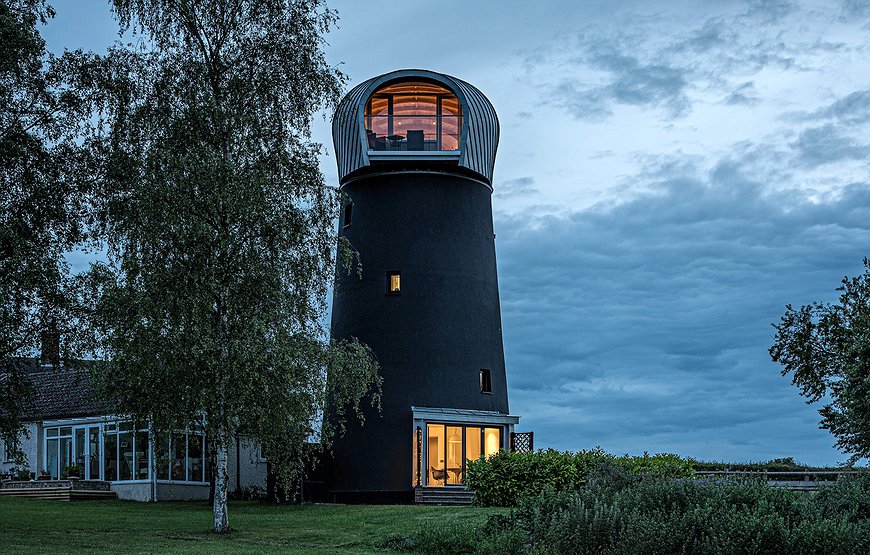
(137, 464)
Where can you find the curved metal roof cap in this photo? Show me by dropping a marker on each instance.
(479, 128)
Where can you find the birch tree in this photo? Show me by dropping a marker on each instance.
(220, 228)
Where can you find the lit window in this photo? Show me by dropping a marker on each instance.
(413, 116)
(485, 381)
(394, 283)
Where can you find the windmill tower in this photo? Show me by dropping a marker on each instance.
(416, 151)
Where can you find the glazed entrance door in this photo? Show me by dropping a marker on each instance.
(86, 446)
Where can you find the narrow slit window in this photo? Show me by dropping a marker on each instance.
(348, 214)
(394, 283)
(485, 381)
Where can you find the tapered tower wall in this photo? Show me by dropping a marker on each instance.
(427, 216)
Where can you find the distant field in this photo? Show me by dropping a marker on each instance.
(37, 526)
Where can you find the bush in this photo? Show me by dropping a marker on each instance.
(502, 479)
(786, 464)
(73, 470)
(664, 516)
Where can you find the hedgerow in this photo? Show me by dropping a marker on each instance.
(502, 479)
(621, 513)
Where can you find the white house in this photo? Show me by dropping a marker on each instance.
(68, 426)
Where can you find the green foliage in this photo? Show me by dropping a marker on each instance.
(438, 539)
(785, 464)
(220, 228)
(41, 203)
(73, 470)
(826, 349)
(666, 516)
(502, 479)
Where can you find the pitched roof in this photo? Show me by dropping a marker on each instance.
(64, 391)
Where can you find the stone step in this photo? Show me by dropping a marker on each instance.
(59, 494)
(443, 496)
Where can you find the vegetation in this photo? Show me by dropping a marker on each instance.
(34, 526)
(502, 479)
(220, 229)
(40, 200)
(786, 464)
(826, 349)
(619, 512)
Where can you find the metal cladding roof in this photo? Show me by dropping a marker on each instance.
(479, 128)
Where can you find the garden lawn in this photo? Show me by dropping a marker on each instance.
(39, 526)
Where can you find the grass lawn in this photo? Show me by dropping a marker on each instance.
(38, 526)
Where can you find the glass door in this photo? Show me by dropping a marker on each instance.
(448, 448)
(436, 473)
(80, 454)
(454, 455)
(86, 451)
(93, 469)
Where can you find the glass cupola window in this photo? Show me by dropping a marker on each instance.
(413, 116)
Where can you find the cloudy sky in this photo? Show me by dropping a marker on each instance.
(670, 175)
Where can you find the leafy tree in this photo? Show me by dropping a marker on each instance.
(220, 228)
(40, 204)
(826, 348)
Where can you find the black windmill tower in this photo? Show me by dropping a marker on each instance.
(416, 151)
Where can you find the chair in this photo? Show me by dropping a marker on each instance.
(375, 143)
(415, 140)
(436, 473)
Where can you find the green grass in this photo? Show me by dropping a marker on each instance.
(37, 526)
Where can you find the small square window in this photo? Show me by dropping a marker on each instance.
(394, 283)
(485, 381)
(348, 214)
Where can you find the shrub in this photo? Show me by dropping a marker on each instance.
(786, 464)
(504, 478)
(664, 516)
(73, 470)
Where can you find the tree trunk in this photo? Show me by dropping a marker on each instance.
(221, 520)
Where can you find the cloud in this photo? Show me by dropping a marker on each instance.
(744, 94)
(671, 62)
(852, 109)
(855, 8)
(520, 186)
(628, 81)
(643, 324)
(769, 11)
(827, 144)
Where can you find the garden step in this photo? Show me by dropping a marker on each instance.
(58, 493)
(443, 496)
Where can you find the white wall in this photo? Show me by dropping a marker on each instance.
(251, 470)
(31, 447)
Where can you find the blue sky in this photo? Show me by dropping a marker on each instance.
(670, 175)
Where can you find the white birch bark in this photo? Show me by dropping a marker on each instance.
(221, 519)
